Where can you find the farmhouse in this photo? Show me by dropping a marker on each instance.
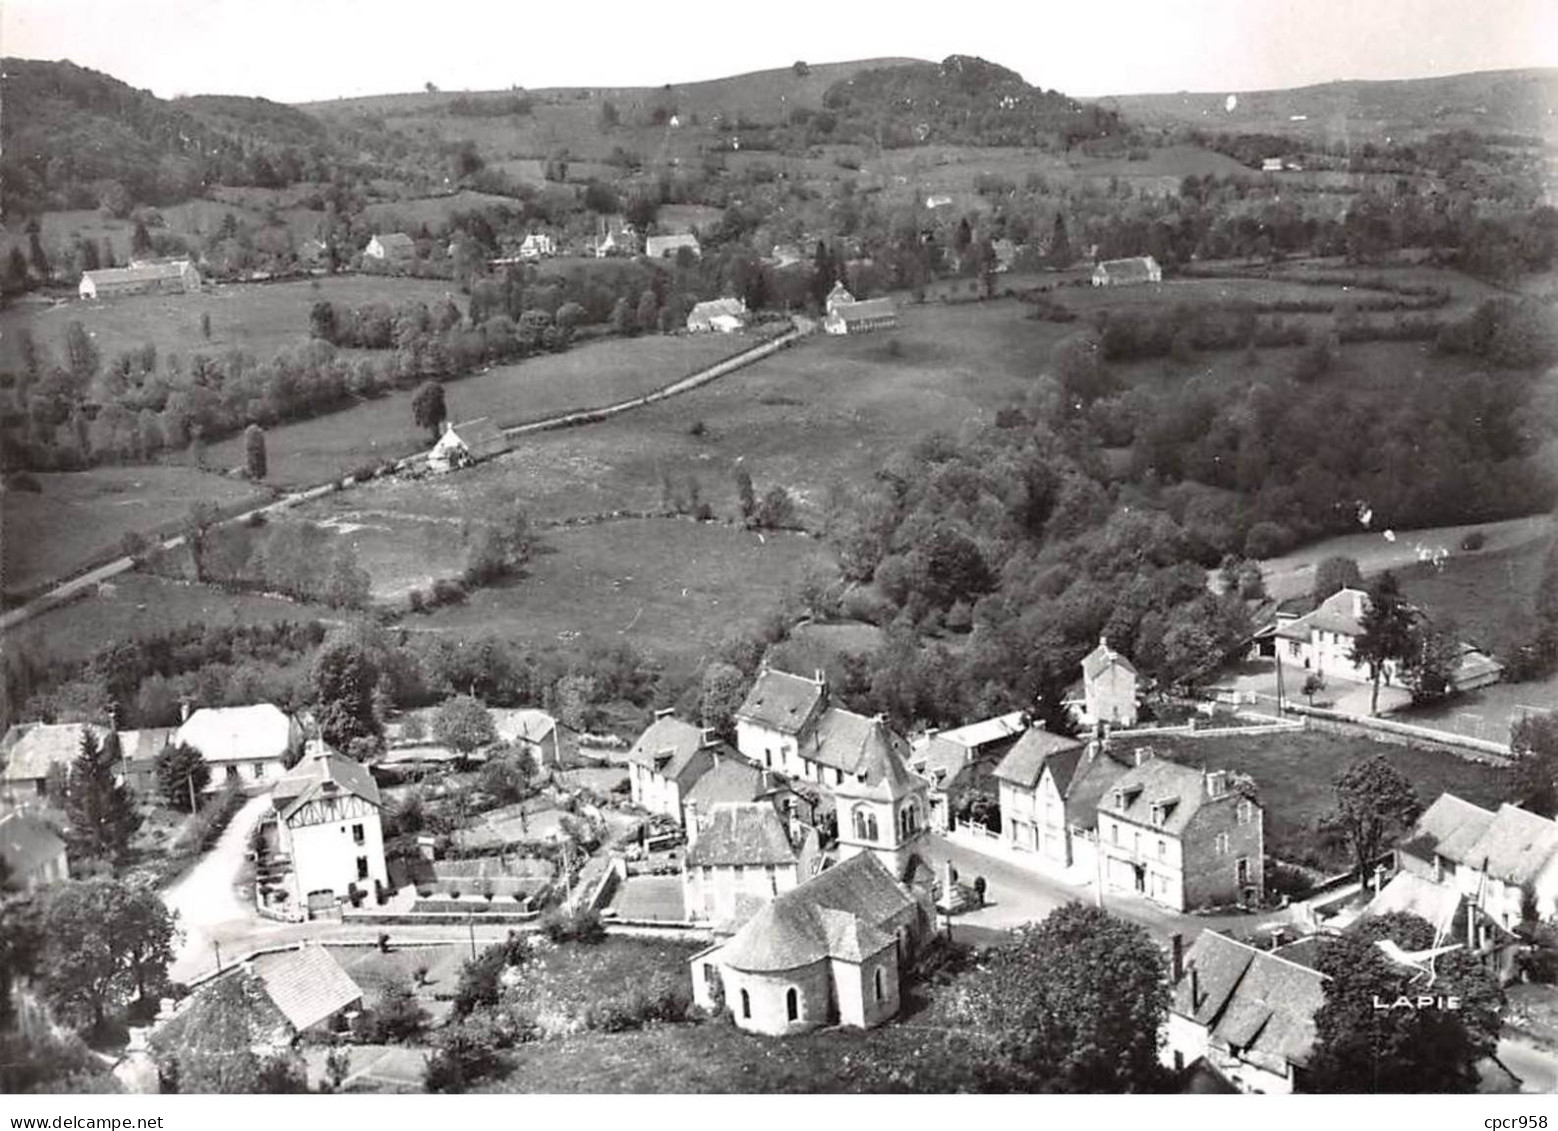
(667, 759)
(1109, 688)
(537, 245)
(326, 814)
(837, 297)
(1180, 836)
(34, 854)
(666, 247)
(390, 249)
(174, 277)
(32, 750)
(1271, 165)
(308, 988)
(1505, 864)
(616, 241)
(461, 445)
(830, 951)
(1245, 1014)
(725, 315)
(741, 855)
(786, 724)
(862, 317)
(1127, 272)
(251, 745)
(1005, 255)
(1049, 788)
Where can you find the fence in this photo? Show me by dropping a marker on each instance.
(1498, 754)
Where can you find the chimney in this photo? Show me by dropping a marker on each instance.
(184, 710)
(707, 738)
(1216, 783)
(1195, 988)
(1177, 958)
(794, 824)
(821, 679)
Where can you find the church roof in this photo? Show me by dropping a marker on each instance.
(880, 771)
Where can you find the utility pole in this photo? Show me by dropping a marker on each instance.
(216, 946)
(470, 921)
(189, 780)
(1279, 677)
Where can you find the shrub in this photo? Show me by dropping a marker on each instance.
(583, 926)
(1473, 541)
(1267, 540)
(697, 428)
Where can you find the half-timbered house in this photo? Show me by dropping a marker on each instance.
(328, 830)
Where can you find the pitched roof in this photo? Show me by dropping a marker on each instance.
(866, 310)
(482, 436)
(728, 781)
(27, 842)
(398, 241)
(1024, 762)
(880, 771)
(656, 246)
(140, 273)
(522, 724)
(735, 307)
(1098, 770)
(307, 985)
(795, 928)
(143, 744)
(849, 743)
(1137, 267)
(1181, 790)
(1472, 663)
(669, 747)
(839, 294)
(1449, 827)
(781, 701)
(937, 758)
(1250, 998)
(1515, 846)
(236, 734)
(986, 731)
(1103, 657)
(32, 749)
(751, 834)
(1407, 891)
(323, 773)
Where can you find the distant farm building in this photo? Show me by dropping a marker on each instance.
(1127, 272)
(1005, 254)
(31, 750)
(616, 241)
(177, 277)
(725, 315)
(837, 297)
(862, 317)
(537, 245)
(464, 444)
(667, 247)
(1271, 165)
(390, 248)
(938, 200)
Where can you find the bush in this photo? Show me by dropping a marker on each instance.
(582, 926)
(1267, 540)
(1473, 541)
(466, 1052)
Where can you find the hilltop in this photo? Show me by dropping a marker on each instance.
(1506, 102)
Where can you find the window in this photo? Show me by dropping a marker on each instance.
(881, 983)
(768, 759)
(1246, 812)
(362, 867)
(232, 773)
(792, 1005)
(1242, 870)
(1162, 849)
(838, 777)
(773, 879)
(704, 873)
(1220, 844)
(710, 977)
(864, 822)
(746, 1005)
(1136, 843)
(739, 874)
(1114, 832)
(357, 834)
(259, 769)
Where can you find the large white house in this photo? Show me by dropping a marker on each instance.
(328, 826)
(178, 276)
(668, 758)
(250, 745)
(1322, 641)
(1109, 688)
(390, 247)
(739, 856)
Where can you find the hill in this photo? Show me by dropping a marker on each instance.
(1490, 102)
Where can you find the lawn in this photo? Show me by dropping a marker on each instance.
(588, 376)
(668, 586)
(258, 318)
(560, 983)
(135, 606)
(1294, 772)
(1490, 593)
(649, 897)
(80, 514)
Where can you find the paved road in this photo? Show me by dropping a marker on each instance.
(1537, 1069)
(208, 906)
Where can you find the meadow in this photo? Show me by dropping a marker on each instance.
(79, 514)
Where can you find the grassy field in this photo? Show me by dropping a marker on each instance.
(77, 514)
(134, 606)
(1488, 594)
(1294, 773)
(561, 983)
(406, 215)
(587, 376)
(259, 318)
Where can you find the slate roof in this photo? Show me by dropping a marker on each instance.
(1155, 781)
(1024, 762)
(986, 732)
(1253, 999)
(866, 310)
(323, 773)
(1449, 827)
(839, 294)
(27, 842)
(1138, 268)
(1472, 664)
(238, 734)
(1101, 658)
(751, 834)
(706, 311)
(141, 273)
(33, 748)
(522, 724)
(781, 701)
(729, 780)
(796, 928)
(307, 985)
(1098, 770)
(938, 759)
(881, 770)
(146, 743)
(1516, 846)
(669, 747)
(482, 437)
(396, 242)
(859, 744)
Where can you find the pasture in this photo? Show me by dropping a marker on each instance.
(257, 318)
(433, 211)
(79, 514)
(590, 375)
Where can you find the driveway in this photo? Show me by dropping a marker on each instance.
(209, 909)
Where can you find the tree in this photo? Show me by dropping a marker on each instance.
(35, 253)
(776, 511)
(106, 938)
(140, 239)
(1361, 1047)
(82, 356)
(1076, 1002)
(745, 497)
(1314, 683)
(720, 694)
(344, 679)
(182, 774)
(1374, 804)
(465, 1053)
(427, 406)
(503, 547)
(1534, 741)
(1336, 573)
(506, 777)
(463, 724)
(197, 525)
(209, 1047)
(1429, 668)
(254, 452)
(205, 325)
(101, 811)
(1386, 632)
(348, 585)
(1060, 253)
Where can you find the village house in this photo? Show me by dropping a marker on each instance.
(1181, 836)
(33, 852)
(1049, 788)
(31, 750)
(138, 751)
(616, 240)
(178, 277)
(1322, 640)
(954, 760)
(326, 812)
(665, 762)
(1005, 252)
(667, 247)
(460, 445)
(725, 315)
(1110, 688)
(1127, 272)
(938, 200)
(831, 951)
(532, 730)
(862, 317)
(838, 297)
(741, 855)
(1245, 1014)
(786, 724)
(390, 249)
(735, 780)
(251, 745)
(537, 245)
(1504, 863)
(1271, 165)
